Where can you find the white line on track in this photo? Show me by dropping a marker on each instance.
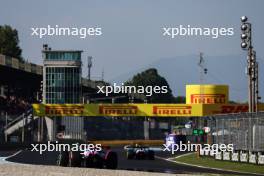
(204, 167)
(3, 159)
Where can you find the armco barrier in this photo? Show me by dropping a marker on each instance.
(235, 156)
(226, 156)
(212, 154)
(244, 156)
(219, 156)
(202, 151)
(260, 158)
(206, 152)
(252, 157)
(129, 142)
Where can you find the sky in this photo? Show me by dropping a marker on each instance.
(132, 30)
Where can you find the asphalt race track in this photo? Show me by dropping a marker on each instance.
(157, 165)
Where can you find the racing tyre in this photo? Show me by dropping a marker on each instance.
(129, 155)
(63, 159)
(111, 160)
(151, 155)
(94, 161)
(75, 159)
(98, 161)
(89, 162)
(140, 155)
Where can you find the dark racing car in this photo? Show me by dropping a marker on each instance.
(140, 152)
(105, 158)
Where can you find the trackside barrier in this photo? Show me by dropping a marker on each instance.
(244, 156)
(253, 157)
(129, 142)
(226, 156)
(202, 151)
(219, 155)
(235, 156)
(137, 110)
(207, 152)
(212, 154)
(261, 158)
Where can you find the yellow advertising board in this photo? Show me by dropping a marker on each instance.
(128, 110)
(155, 110)
(212, 109)
(206, 94)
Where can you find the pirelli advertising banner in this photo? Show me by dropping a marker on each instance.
(153, 110)
(211, 109)
(161, 110)
(207, 94)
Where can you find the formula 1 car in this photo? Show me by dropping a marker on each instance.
(139, 152)
(105, 158)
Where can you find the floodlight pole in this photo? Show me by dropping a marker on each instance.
(250, 85)
(90, 64)
(252, 67)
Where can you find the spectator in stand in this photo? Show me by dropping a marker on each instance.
(13, 105)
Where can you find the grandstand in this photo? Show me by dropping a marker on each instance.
(21, 85)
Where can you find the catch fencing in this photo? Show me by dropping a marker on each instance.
(245, 130)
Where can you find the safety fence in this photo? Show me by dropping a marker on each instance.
(244, 130)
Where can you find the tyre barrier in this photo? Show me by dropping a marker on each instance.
(226, 156)
(235, 156)
(242, 156)
(219, 155)
(252, 158)
(261, 158)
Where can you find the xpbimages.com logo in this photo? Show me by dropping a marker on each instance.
(148, 90)
(56, 30)
(60, 147)
(188, 30)
(189, 147)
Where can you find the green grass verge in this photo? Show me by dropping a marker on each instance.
(227, 165)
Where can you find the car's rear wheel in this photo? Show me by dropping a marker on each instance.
(63, 159)
(98, 161)
(111, 160)
(129, 155)
(94, 161)
(151, 155)
(75, 159)
(140, 155)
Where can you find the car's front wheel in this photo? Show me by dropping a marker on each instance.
(111, 160)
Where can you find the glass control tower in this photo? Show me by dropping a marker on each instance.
(62, 85)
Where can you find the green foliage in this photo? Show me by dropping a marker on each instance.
(150, 77)
(180, 99)
(232, 102)
(9, 42)
(225, 165)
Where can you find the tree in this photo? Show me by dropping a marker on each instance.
(150, 77)
(180, 99)
(9, 42)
